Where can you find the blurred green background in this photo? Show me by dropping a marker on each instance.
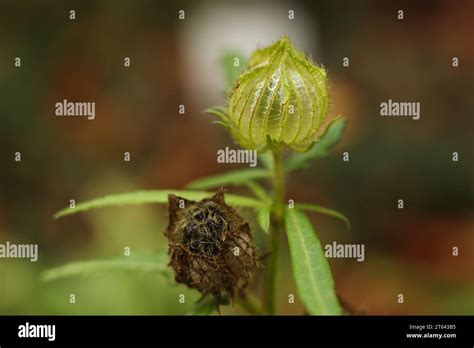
(176, 62)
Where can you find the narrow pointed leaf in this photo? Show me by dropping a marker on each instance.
(156, 263)
(258, 191)
(310, 268)
(263, 218)
(323, 210)
(320, 148)
(159, 196)
(235, 177)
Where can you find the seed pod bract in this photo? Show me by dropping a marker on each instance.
(210, 245)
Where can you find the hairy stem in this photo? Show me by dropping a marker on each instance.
(277, 223)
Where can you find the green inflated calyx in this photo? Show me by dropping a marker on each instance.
(281, 99)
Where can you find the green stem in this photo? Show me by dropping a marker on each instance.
(277, 223)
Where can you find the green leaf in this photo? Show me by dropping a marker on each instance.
(235, 177)
(258, 191)
(231, 71)
(323, 210)
(263, 218)
(310, 268)
(156, 263)
(159, 196)
(320, 148)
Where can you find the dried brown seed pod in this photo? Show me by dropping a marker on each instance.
(210, 245)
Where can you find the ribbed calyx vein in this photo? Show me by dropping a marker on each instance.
(281, 96)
